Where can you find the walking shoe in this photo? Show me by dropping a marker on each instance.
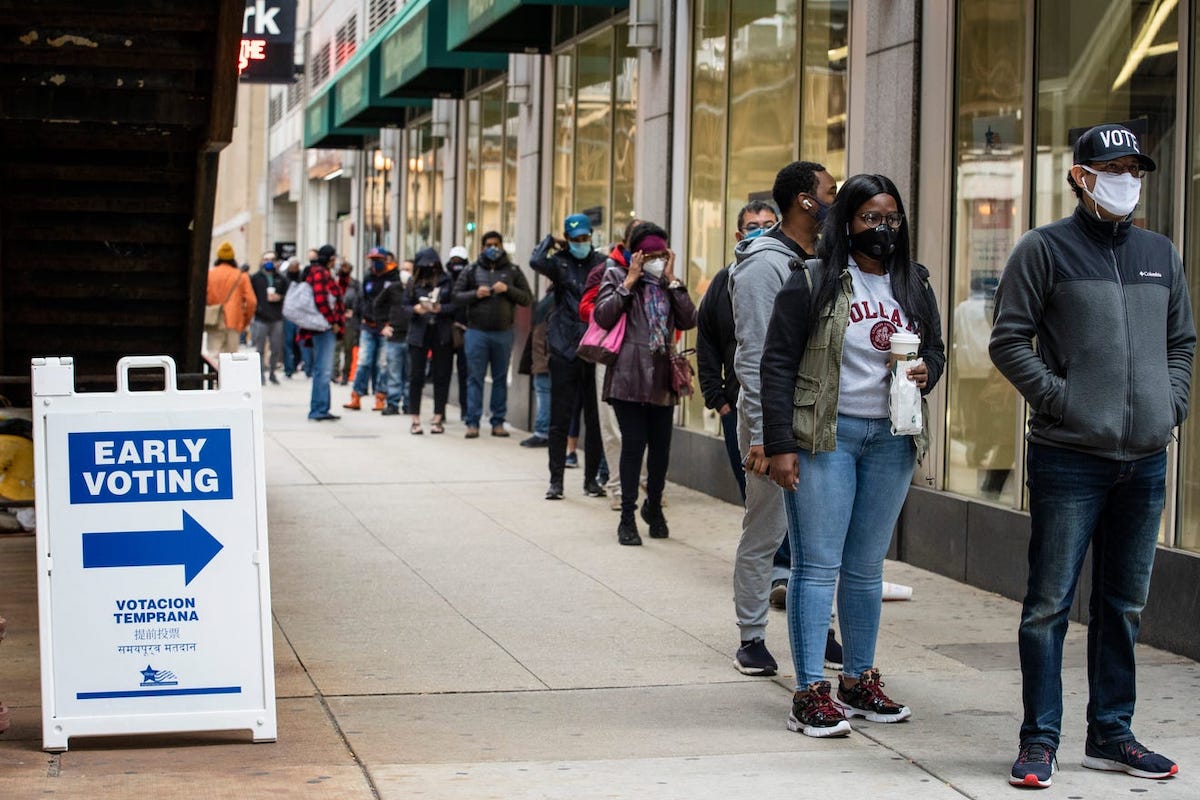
(472, 433)
(380, 401)
(572, 460)
(866, 699)
(594, 489)
(1034, 765)
(614, 501)
(355, 401)
(753, 658)
(655, 519)
(535, 441)
(273, 379)
(833, 651)
(1128, 756)
(779, 593)
(555, 492)
(627, 532)
(324, 418)
(814, 714)
(391, 410)
(896, 591)
(499, 430)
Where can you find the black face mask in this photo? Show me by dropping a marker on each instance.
(877, 242)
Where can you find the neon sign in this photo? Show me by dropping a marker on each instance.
(268, 42)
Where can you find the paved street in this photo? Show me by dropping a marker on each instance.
(443, 632)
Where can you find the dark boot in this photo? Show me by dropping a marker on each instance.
(627, 532)
(655, 519)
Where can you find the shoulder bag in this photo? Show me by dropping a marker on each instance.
(214, 315)
(300, 308)
(601, 346)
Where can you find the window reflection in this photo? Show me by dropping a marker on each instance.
(989, 215)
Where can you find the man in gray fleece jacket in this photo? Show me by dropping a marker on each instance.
(1106, 383)
(803, 192)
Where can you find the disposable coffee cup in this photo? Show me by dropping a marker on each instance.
(905, 345)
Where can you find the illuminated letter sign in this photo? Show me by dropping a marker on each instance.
(268, 41)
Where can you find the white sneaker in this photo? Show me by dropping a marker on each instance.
(896, 591)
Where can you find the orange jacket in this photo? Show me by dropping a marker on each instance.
(239, 308)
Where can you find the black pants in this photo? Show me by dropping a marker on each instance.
(443, 362)
(460, 367)
(571, 381)
(643, 425)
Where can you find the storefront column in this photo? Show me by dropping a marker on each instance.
(655, 135)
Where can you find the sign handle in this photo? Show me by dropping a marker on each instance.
(165, 363)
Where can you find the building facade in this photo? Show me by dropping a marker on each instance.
(425, 123)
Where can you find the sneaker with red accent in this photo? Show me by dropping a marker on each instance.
(814, 713)
(1034, 765)
(866, 699)
(1129, 756)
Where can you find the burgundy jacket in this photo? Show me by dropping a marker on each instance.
(638, 375)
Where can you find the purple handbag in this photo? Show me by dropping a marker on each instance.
(601, 346)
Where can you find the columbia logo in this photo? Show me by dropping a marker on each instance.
(1145, 274)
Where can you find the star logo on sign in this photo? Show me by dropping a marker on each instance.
(148, 674)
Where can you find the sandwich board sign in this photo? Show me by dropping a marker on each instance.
(153, 579)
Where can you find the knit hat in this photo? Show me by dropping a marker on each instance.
(225, 252)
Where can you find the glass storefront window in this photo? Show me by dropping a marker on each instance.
(424, 170)
(491, 160)
(595, 127)
(989, 215)
(768, 88)
(490, 182)
(471, 230)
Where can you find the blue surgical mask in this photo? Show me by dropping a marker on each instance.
(492, 253)
(269, 266)
(754, 234)
(822, 210)
(580, 250)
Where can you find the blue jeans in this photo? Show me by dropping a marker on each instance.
(840, 536)
(322, 371)
(729, 429)
(397, 375)
(292, 353)
(370, 349)
(484, 349)
(541, 424)
(1076, 499)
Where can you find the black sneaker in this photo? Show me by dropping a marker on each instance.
(535, 441)
(814, 714)
(753, 658)
(391, 411)
(655, 519)
(867, 700)
(572, 461)
(833, 651)
(779, 593)
(1128, 756)
(1034, 765)
(555, 492)
(594, 489)
(627, 532)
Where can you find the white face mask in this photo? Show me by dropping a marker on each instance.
(1116, 194)
(404, 276)
(654, 267)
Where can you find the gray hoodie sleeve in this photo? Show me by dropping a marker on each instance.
(753, 286)
(1181, 339)
(1020, 300)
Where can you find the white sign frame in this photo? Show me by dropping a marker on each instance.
(120, 582)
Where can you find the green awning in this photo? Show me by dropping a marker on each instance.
(357, 100)
(414, 61)
(320, 130)
(509, 26)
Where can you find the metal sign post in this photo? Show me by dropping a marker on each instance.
(153, 579)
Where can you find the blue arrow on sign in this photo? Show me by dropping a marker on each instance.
(192, 547)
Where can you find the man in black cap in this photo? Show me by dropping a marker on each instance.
(1106, 384)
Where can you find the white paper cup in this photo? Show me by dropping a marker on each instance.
(905, 344)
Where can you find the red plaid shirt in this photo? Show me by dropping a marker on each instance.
(327, 295)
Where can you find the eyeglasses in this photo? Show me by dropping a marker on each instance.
(1113, 168)
(873, 218)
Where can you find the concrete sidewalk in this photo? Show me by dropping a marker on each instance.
(443, 632)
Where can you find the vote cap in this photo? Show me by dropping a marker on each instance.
(1107, 142)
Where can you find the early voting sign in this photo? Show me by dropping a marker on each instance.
(152, 552)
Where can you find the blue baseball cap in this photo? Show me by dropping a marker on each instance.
(577, 225)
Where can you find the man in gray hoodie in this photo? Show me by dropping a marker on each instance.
(1106, 383)
(803, 192)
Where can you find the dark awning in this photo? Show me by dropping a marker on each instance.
(415, 62)
(320, 130)
(357, 100)
(509, 26)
